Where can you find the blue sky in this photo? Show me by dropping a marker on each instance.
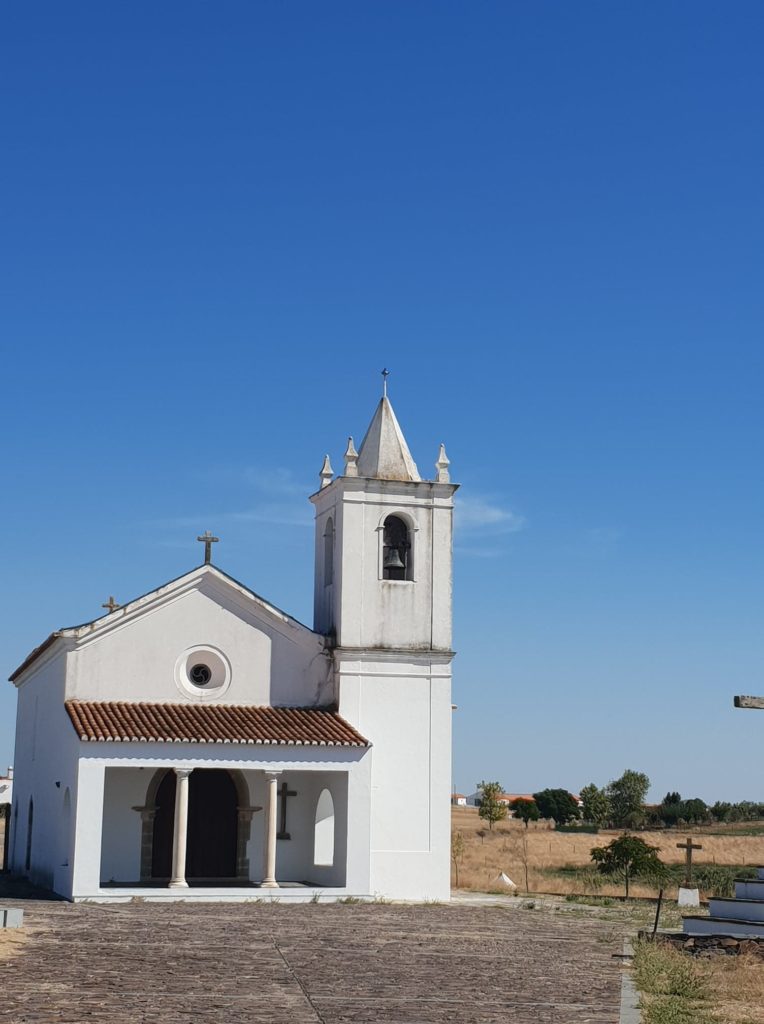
(221, 220)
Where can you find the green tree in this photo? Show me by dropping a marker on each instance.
(672, 798)
(629, 856)
(721, 810)
(525, 810)
(457, 853)
(670, 813)
(596, 805)
(747, 810)
(627, 795)
(557, 804)
(491, 808)
(694, 811)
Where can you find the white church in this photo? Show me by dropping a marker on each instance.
(199, 743)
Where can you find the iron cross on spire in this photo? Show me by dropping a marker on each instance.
(208, 540)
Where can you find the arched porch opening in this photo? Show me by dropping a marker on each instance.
(218, 826)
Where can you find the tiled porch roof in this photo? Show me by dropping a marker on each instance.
(144, 722)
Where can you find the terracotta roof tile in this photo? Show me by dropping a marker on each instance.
(124, 722)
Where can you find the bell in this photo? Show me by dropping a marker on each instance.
(393, 560)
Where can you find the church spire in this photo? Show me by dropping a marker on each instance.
(384, 453)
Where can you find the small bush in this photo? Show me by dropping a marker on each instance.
(674, 990)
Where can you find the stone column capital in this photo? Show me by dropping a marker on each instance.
(183, 773)
(272, 775)
(245, 813)
(147, 813)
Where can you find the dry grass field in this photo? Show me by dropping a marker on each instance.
(510, 848)
(677, 989)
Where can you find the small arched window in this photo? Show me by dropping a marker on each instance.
(30, 822)
(329, 552)
(323, 839)
(396, 552)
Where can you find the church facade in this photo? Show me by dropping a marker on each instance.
(199, 743)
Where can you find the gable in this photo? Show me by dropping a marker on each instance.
(145, 650)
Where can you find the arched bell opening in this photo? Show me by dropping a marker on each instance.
(396, 550)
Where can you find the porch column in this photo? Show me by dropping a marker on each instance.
(147, 839)
(178, 880)
(271, 811)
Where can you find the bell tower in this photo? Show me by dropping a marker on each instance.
(383, 564)
(383, 584)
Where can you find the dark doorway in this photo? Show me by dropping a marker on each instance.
(161, 847)
(212, 826)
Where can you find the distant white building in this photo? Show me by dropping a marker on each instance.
(198, 741)
(505, 798)
(6, 787)
(458, 800)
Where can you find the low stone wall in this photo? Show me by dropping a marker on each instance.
(710, 945)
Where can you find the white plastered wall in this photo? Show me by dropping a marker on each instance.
(405, 705)
(272, 661)
(45, 771)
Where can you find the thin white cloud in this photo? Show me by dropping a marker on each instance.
(284, 514)
(275, 481)
(478, 513)
(274, 496)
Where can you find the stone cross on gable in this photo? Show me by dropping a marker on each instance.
(111, 604)
(208, 540)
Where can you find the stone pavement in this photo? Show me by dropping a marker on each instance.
(143, 963)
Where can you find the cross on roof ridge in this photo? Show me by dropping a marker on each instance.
(208, 540)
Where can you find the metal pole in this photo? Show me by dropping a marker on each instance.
(658, 912)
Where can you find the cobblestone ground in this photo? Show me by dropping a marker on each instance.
(145, 963)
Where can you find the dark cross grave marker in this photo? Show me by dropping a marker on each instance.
(111, 604)
(688, 846)
(284, 793)
(208, 540)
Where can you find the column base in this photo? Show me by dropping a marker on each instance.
(178, 885)
(269, 885)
